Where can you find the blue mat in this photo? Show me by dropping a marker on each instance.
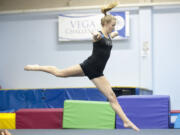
(12, 100)
(147, 112)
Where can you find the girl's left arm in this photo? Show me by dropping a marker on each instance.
(114, 34)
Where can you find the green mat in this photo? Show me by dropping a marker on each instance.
(88, 115)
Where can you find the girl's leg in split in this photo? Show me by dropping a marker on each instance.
(67, 72)
(104, 86)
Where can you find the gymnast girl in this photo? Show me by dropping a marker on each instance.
(94, 65)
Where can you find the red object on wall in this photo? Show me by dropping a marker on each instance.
(49, 118)
(175, 111)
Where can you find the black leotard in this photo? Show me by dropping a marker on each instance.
(94, 65)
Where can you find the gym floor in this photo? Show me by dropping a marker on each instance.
(94, 132)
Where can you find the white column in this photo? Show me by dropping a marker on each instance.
(145, 40)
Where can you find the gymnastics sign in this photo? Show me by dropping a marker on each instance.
(79, 26)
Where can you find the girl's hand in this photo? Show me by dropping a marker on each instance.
(114, 34)
(96, 36)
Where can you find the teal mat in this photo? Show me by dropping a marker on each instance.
(177, 122)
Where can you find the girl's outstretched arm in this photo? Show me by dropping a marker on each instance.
(114, 34)
(96, 36)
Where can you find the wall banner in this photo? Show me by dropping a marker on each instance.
(74, 27)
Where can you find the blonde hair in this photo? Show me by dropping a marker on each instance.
(105, 9)
(107, 19)
(110, 6)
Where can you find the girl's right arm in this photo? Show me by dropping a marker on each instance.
(96, 36)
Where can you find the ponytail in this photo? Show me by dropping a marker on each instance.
(104, 9)
(108, 7)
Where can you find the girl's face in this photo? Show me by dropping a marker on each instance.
(110, 26)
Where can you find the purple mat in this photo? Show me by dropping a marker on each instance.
(147, 112)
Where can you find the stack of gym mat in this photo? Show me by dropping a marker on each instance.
(88, 115)
(91, 111)
(40, 108)
(39, 118)
(147, 112)
(13, 100)
(175, 119)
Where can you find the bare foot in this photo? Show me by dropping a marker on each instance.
(129, 124)
(4, 132)
(31, 67)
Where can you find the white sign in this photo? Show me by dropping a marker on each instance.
(79, 26)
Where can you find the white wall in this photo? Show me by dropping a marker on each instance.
(166, 50)
(32, 38)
